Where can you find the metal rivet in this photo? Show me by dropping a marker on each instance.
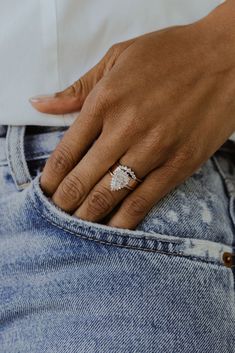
(229, 259)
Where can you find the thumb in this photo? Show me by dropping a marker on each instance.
(72, 98)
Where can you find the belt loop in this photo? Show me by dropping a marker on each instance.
(16, 156)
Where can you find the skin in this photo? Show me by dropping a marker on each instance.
(161, 103)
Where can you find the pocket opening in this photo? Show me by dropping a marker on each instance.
(195, 249)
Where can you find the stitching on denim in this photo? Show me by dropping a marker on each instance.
(10, 159)
(197, 258)
(18, 131)
(8, 150)
(25, 170)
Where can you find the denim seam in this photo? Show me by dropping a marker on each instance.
(197, 258)
(23, 167)
(22, 160)
(226, 181)
(9, 154)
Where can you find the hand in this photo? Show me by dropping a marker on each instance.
(161, 103)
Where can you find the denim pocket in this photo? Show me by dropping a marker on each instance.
(44, 210)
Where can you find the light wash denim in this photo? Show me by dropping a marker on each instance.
(71, 286)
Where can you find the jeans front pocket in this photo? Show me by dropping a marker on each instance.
(165, 243)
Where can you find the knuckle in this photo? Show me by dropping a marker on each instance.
(72, 189)
(136, 206)
(181, 165)
(186, 157)
(78, 86)
(100, 201)
(117, 48)
(114, 49)
(173, 168)
(102, 99)
(81, 88)
(73, 90)
(61, 159)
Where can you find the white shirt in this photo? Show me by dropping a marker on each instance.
(47, 44)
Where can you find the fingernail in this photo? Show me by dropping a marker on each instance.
(42, 98)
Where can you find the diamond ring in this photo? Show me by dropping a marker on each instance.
(123, 177)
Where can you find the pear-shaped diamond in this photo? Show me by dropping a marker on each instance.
(121, 177)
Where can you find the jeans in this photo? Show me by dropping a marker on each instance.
(69, 285)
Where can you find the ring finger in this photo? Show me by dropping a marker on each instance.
(101, 200)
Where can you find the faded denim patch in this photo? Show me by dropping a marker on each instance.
(198, 208)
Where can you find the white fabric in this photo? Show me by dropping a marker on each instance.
(48, 44)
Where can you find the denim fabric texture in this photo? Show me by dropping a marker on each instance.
(72, 286)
